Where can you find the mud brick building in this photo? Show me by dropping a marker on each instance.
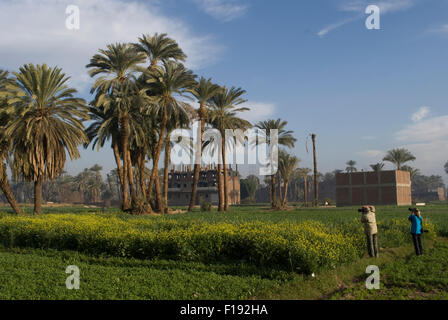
(431, 195)
(375, 188)
(180, 185)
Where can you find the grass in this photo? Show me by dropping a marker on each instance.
(40, 274)
(411, 277)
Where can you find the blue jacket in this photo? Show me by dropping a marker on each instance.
(416, 227)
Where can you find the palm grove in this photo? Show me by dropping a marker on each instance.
(140, 92)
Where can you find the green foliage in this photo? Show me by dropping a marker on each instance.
(248, 188)
(304, 246)
(399, 157)
(38, 274)
(416, 277)
(206, 206)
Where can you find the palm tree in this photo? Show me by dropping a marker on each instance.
(351, 166)
(159, 48)
(304, 172)
(46, 124)
(413, 172)
(223, 115)
(399, 157)
(165, 86)
(97, 184)
(446, 167)
(119, 66)
(377, 167)
(203, 92)
(5, 144)
(285, 138)
(182, 122)
(287, 165)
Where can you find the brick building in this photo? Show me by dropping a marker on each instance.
(431, 195)
(180, 184)
(375, 188)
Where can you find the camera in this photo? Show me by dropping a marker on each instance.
(362, 210)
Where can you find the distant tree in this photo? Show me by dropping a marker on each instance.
(287, 164)
(377, 166)
(351, 166)
(412, 171)
(304, 172)
(248, 188)
(422, 183)
(399, 157)
(255, 182)
(285, 138)
(327, 186)
(446, 167)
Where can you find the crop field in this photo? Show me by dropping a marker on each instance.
(248, 253)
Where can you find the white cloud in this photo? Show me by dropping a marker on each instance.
(385, 6)
(428, 141)
(359, 6)
(440, 29)
(258, 111)
(334, 26)
(34, 31)
(428, 130)
(422, 113)
(225, 10)
(430, 156)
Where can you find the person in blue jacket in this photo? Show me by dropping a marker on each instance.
(416, 230)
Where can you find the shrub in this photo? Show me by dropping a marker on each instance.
(303, 247)
(206, 206)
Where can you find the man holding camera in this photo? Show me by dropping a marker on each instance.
(416, 230)
(370, 228)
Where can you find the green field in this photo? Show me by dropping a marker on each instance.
(249, 252)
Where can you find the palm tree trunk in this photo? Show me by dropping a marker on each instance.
(220, 189)
(141, 171)
(285, 196)
(124, 145)
(159, 205)
(38, 195)
(279, 183)
(305, 190)
(166, 173)
(198, 157)
(131, 180)
(127, 164)
(6, 188)
(156, 157)
(226, 191)
(273, 191)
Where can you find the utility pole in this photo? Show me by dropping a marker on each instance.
(316, 181)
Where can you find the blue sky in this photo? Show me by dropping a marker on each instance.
(310, 62)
